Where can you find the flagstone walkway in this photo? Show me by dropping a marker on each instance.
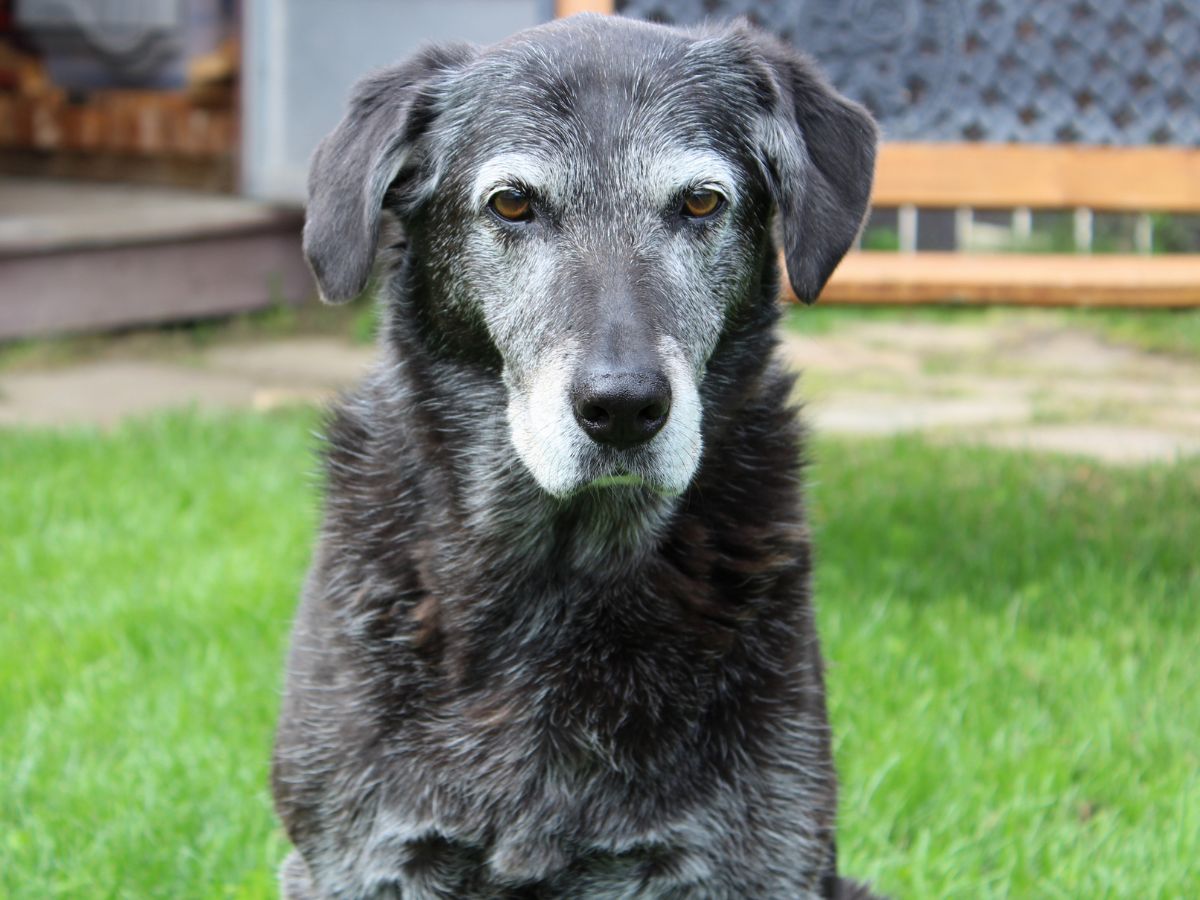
(1024, 383)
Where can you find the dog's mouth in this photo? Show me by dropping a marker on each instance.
(623, 480)
(642, 470)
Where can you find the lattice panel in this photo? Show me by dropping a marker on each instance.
(1045, 71)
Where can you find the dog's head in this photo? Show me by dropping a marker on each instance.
(592, 200)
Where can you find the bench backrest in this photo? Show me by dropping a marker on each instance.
(1001, 176)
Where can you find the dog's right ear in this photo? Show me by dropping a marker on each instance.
(354, 166)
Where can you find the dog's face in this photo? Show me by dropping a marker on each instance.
(592, 199)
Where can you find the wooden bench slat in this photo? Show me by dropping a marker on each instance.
(563, 8)
(998, 176)
(1023, 279)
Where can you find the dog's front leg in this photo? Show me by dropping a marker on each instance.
(295, 882)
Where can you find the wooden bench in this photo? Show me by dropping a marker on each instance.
(1027, 177)
(1022, 177)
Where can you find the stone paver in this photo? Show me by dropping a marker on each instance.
(1009, 383)
(1108, 443)
(103, 393)
(837, 355)
(876, 414)
(924, 338)
(253, 376)
(1084, 354)
(319, 362)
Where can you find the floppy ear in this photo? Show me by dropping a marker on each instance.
(354, 166)
(820, 159)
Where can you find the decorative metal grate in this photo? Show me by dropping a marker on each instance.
(1039, 71)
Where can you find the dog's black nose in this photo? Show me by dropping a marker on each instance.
(622, 409)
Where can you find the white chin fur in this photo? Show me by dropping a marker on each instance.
(678, 446)
(563, 460)
(542, 427)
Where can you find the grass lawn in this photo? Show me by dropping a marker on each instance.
(1015, 646)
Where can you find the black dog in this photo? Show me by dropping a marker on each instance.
(557, 638)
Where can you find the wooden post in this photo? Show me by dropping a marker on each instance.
(1022, 224)
(906, 226)
(564, 8)
(964, 228)
(1083, 229)
(1143, 234)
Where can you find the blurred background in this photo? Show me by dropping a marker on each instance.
(1003, 380)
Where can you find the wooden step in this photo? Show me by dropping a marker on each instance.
(1041, 279)
(78, 257)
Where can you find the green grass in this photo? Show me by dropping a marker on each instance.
(1015, 676)
(1013, 641)
(1173, 331)
(146, 582)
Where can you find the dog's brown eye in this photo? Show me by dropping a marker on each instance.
(701, 204)
(512, 205)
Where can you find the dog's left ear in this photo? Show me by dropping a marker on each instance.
(819, 153)
(376, 142)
